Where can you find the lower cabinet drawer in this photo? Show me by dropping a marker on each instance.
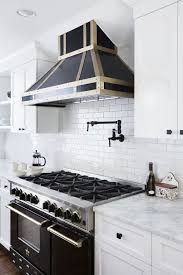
(22, 264)
(110, 261)
(167, 256)
(130, 239)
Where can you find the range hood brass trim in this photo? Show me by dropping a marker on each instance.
(68, 97)
(97, 79)
(80, 95)
(62, 86)
(81, 66)
(87, 48)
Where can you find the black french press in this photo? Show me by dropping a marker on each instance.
(37, 159)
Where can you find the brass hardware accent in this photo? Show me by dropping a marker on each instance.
(81, 66)
(25, 216)
(77, 244)
(27, 252)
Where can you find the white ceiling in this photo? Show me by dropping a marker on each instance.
(16, 31)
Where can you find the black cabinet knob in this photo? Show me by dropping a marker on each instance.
(169, 132)
(181, 132)
(119, 236)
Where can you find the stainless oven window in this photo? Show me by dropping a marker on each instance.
(29, 232)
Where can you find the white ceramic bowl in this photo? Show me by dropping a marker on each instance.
(36, 170)
(19, 173)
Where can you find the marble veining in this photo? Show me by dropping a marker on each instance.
(156, 215)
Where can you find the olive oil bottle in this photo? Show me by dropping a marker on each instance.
(150, 184)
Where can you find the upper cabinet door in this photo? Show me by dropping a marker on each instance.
(156, 74)
(180, 69)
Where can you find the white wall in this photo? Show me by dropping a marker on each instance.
(78, 149)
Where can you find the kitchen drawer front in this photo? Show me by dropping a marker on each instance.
(130, 239)
(167, 256)
(23, 265)
(110, 261)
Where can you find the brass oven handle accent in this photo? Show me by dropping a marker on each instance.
(77, 244)
(25, 216)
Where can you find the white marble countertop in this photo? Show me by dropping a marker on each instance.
(6, 171)
(156, 215)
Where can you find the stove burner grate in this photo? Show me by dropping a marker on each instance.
(83, 187)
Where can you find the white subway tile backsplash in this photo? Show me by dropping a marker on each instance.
(89, 151)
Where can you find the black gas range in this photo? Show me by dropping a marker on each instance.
(52, 218)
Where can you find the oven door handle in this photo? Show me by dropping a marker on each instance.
(77, 244)
(26, 216)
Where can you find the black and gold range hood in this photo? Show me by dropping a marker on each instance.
(88, 69)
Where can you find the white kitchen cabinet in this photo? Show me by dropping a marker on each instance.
(156, 74)
(4, 213)
(167, 256)
(180, 69)
(133, 241)
(31, 118)
(144, 7)
(113, 261)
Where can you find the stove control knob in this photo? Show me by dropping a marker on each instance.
(13, 191)
(23, 196)
(34, 200)
(18, 192)
(68, 214)
(76, 217)
(28, 197)
(52, 207)
(59, 212)
(46, 204)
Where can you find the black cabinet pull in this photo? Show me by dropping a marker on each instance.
(169, 132)
(119, 236)
(181, 132)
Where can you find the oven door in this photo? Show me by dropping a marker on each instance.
(71, 251)
(29, 235)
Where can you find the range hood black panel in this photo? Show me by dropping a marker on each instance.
(114, 67)
(88, 70)
(65, 73)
